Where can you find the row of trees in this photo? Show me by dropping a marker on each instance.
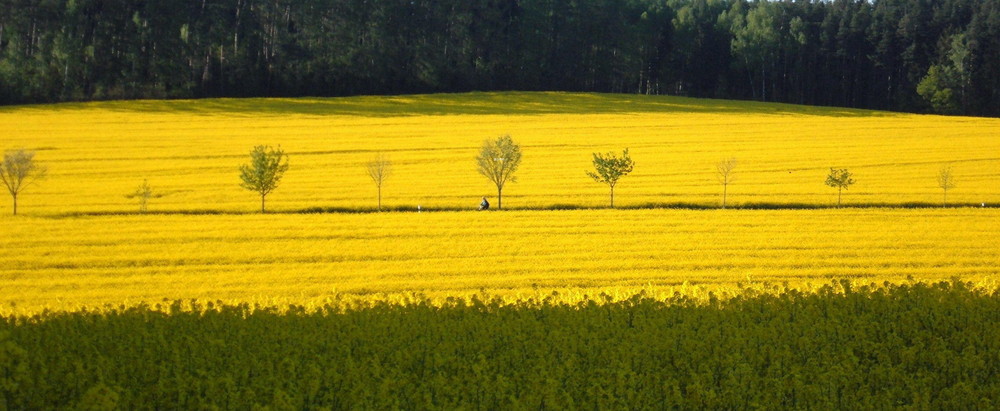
(498, 161)
(909, 55)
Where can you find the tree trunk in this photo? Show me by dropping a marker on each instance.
(839, 190)
(612, 196)
(262, 204)
(763, 83)
(724, 187)
(499, 198)
(379, 198)
(15, 203)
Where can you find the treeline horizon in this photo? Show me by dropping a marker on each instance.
(901, 55)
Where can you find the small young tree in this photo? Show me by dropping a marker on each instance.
(498, 161)
(609, 168)
(724, 171)
(840, 179)
(144, 192)
(379, 170)
(264, 171)
(946, 181)
(18, 171)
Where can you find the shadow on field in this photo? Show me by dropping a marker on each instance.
(501, 103)
(553, 207)
(883, 346)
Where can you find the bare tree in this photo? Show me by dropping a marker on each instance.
(840, 179)
(946, 181)
(498, 161)
(724, 171)
(379, 170)
(144, 192)
(18, 171)
(610, 168)
(264, 171)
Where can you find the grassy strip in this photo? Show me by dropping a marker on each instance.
(646, 206)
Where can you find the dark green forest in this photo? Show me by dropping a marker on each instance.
(907, 55)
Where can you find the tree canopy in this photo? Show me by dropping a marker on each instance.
(609, 168)
(498, 161)
(18, 170)
(841, 179)
(264, 171)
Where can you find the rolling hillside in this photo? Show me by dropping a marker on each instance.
(190, 150)
(205, 240)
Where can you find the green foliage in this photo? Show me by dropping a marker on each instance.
(498, 161)
(264, 171)
(869, 54)
(841, 179)
(98, 398)
(945, 84)
(915, 346)
(756, 41)
(610, 168)
(935, 88)
(13, 368)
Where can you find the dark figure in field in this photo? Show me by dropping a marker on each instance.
(485, 205)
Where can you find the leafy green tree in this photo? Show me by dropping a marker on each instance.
(936, 88)
(498, 161)
(18, 171)
(945, 85)
(840, 179)
(609, 168)
(756, 41)
(264, 171)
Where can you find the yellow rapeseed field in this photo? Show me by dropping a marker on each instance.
(190, 150)
(80, 242)
(65, 263)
